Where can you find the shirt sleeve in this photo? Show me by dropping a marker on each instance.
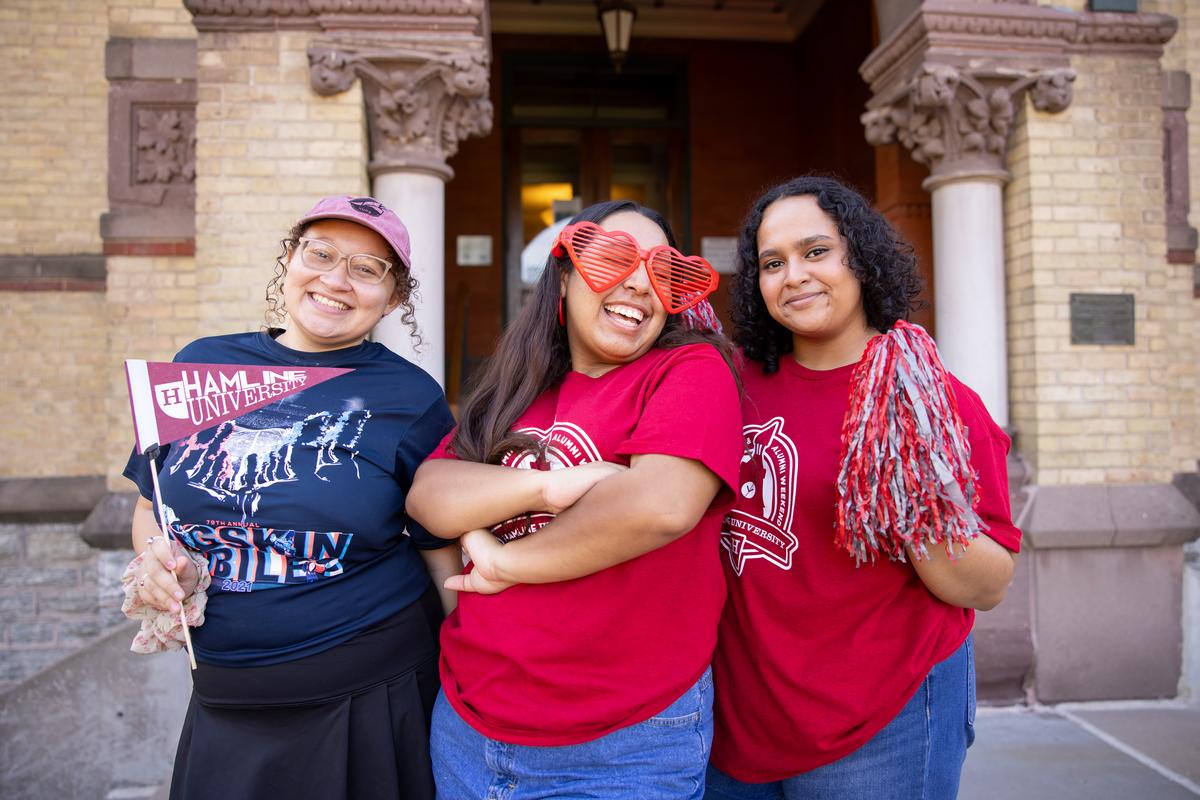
(989, 456)
(692, 409)
(427, 434)
(137, 469)
(443, 448)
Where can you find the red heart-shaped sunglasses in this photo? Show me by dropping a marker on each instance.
(605, 258)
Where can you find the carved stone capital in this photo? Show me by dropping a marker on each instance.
(420, 103)
(957, 121)
(949, 78)
(1022, 36)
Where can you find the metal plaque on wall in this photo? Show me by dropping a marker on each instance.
(1101, 319)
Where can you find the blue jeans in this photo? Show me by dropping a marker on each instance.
(917, 756)
(662, 758)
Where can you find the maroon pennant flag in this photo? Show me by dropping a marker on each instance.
(172, 401)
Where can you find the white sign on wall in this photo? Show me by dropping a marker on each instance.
(721, 252)
(474, 251)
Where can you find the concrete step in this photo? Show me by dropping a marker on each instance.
(100, 721)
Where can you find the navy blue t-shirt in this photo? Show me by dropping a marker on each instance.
(299, 505)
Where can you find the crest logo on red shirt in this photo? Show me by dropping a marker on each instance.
(564, 445)
(768, 487)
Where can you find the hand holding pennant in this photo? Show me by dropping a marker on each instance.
(171, 401)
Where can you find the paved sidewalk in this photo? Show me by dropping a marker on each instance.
(1130, 750)
(1098, 751)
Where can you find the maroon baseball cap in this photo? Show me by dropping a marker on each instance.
(368, 212)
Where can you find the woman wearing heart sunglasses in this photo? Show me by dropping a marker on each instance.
(844, 668)
(577, 663)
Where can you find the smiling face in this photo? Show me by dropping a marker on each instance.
(327, 310)
(622, 324)
(806, 281)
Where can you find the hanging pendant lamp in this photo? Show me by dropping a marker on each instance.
(616, 23)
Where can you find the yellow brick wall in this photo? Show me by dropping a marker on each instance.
(156, 19)
(1023, 326)
(53, 161)
(53, 129)
(267, 148)
(52, 401)
(1183, 53)
(65, 399)
(1085, 213)
(151, 313)
(1175, 55)
(151, 302)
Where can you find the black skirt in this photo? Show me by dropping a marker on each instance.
(351, 722)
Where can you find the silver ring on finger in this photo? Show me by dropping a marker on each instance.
(142, 582)
(152, 540)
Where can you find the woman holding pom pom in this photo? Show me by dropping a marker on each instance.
(873, 518)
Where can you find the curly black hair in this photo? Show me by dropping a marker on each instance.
(406, 285)
(883, 263)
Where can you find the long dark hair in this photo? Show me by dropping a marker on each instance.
(406, 284)
(883, 263)
(533, 355)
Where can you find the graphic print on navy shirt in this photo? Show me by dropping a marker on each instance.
(564, 444)
(307, 495)
(236, 461)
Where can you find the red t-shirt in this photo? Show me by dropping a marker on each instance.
(817, 655)
(565, 663)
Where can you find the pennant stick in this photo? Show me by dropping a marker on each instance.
(152, 454)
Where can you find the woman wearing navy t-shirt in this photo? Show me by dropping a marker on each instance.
(318, 649)
(577, 661)
(834, 678)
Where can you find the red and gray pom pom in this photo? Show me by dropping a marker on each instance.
(906, 479)
(701, 317)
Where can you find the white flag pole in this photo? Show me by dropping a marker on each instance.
(146, 426)
(152, 453)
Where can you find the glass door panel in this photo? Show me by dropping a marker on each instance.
(548, 166)
(559, 171)
(639, 173)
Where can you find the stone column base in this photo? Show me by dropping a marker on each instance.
(1106, 569)
(108, 526)
(49, 499)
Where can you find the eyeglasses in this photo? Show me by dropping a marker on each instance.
(361, 267)
(605, 258)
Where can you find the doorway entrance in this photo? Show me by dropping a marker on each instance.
(577, 133)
